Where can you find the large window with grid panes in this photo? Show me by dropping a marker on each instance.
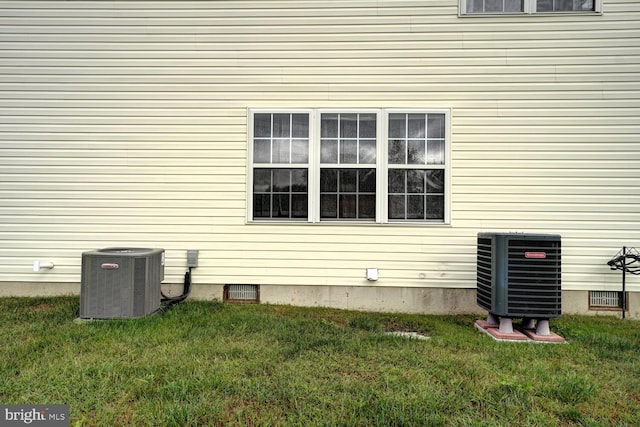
(480, 7)
(367, 165)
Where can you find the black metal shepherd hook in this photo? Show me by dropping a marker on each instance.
(627, 259)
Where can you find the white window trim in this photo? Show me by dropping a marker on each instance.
(250, 165)
(381, 165)
(315, 137)
(446, 166)
(529, 9)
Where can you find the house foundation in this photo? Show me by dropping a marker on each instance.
(363, 298)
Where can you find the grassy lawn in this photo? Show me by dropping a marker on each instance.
(208, 363)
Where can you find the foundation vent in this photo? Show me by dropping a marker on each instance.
(605, 300)
(242, 293)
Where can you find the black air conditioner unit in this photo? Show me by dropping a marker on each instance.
(121, 282)
(519, 275)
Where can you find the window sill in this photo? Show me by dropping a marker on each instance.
(351, 223)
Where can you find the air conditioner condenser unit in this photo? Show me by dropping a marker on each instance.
(519, 274)
(121, 282)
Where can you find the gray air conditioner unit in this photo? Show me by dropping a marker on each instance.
(121, 282)
(518, 274)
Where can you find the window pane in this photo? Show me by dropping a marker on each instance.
(415, 154)
(329, 180)
(544, 5)
(281, 125)
(435, 207)
(262, 126)
(300, 125)
(348, 126)
(493, 6)
(281, 151)
(367, 151)
(367, 126)
(367, 206)
(262, 151)
(347, 180)
(261, 206)
(347, 206)
(350, 196)
(299, 206)
(329, 151)
(280, 208)
(396, 181)
(280, 193)
(281, 180)
(586, 5)
(397, 126)
(422, 187)
(435, 152)
(397, 151)
(415, 207)
(435, 181)
(273, 143)
(367, 181)
(416, 126)
(329, 206)
(415, 181)
(299, 180)
(435, 126)
(300, 151)
(396, 207)
(329, 126)
(513, 6)
(564, 5)
(261, 180)
(352, 148)
(348, 151)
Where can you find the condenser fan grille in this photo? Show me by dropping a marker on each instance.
(534, 276)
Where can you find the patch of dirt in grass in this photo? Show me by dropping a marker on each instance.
(124, 419)
(394, 326)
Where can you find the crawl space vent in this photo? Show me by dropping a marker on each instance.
(242, 293)
(605, 300)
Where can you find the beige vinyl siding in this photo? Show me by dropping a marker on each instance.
(125, 124)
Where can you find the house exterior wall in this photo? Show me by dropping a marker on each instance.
(125, 124)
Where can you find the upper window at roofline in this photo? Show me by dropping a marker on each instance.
(507, 7)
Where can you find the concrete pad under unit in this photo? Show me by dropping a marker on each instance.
(494, 332)
(517, 335)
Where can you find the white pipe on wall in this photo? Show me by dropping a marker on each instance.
(37, 265)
